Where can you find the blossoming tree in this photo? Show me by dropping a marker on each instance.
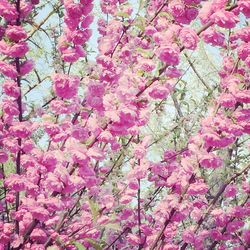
(120, 149)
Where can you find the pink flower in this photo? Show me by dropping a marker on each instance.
(230, 191)
(96, 88)
(73, 54)
(25, 8)
(191, 14)
(74, 10)
(173, 72)
(243, 34)
(79, 156)
(126, 213)
(2, 31)
(105, 61)
(244, 51)
(39, 213)
(244, 7)
(87, 21)
(35, 1)
(160, 91)
(147, 65)
(133, 184)
(14, 182)
(49, 161)
(170, 247)
(215, 234)
(38, 236)
(196, 214)
(243, 96)
(26, 67)
(17, 241)
(16, 33)
(224, 19)
(71, 23)
(96, 153)
(234, 226)
(169, 54)
(107, 201)
(10, 106)
(8, 10)
(188, 236)
(150, 30)
(10, 88)
(105, 45)
(4, 47)
(79, 37)
(95, 102)
(188, 38)
(177, 8)
(139, 151)
(103, 220)
(106, 136)
(8, 70)
(80, 133)
(246, 236)
(227, 100)
(220, 217)
(206, 11)
(21, 129)
(214, 140)
(53, 183)
(213, 37)
(210, 161)
(65, 86)
(125, 199)
(188, 2)
(228, 63)
(133, 239)
(197, 188)
(3, 157)
(170, 155)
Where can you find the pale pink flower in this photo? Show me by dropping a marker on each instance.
(169, 54)
(65, 86)
(224, 19)
(15, 33)
(230, 190)
(189, 38)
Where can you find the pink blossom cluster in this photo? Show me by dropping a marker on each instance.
(84, 175)
(65, 86)
(77, 18)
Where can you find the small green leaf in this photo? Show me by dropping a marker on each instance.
(144, 52)
(113, 226)
(95, 244)
(140, 23)
(78, 245)
(122, 14)
(52, 248)
(94, 209)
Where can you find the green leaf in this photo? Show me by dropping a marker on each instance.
(140, 23)
(113, 226)
(78, 245)
(94, 209)
(95, 244)
(52, 248)
(122, 14)
(165, 14)
(145, 53)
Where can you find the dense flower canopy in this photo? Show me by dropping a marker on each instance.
(77, 165)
